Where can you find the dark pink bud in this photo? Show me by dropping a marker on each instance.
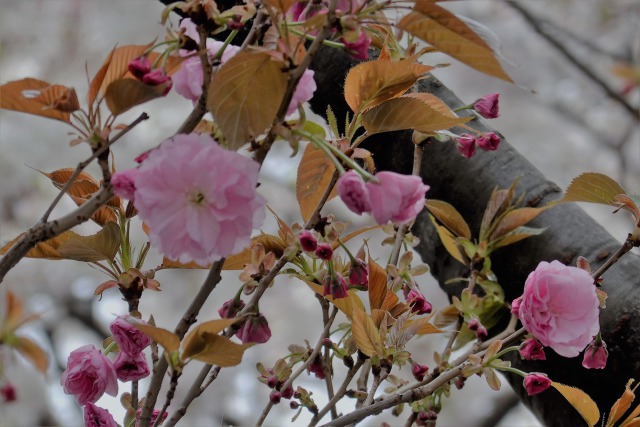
(230, 308)
(459, 382)
(481, 332)
(142, 157)
(359, 274)
(131, 367)
(473, 324)
(287, 393)
(275, 397)
(316, 368)
(360, 48)
(515, 306)
(536, 382)
(466, 145)
(308, 241)
(487, 106)
(422, 419)
(255, 329)
(324, 252)
(531, 349)
(139, 67)
(272, 381)
(595, 356)
(418, 302)
(488, 141)
(8, 392)
(419, 371)
(158, 77)
(335, 285)
(154, 416)
(294, 405)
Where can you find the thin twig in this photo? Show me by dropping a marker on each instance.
(254, 32)
(175, 375)
(361, 384)
(626, 247)
(535, 23)
(326, 360)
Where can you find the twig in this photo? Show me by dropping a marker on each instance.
(175, 375)
(626, 247)
(326, 361)
(411, 419)
(254, 32)
(361, 384)
(304, 366)
(535, 23)
(377, 380)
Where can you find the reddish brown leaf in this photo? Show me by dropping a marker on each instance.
(449, 217)
(515, 219)
(377, 285)
(365, 333)
(126, 93)
(314, 176)
(34, 96)
(33, 352)
(47, 249)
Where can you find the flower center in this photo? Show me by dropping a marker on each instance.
(197, 197)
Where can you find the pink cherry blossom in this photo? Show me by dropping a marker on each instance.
(360, 48)
(418, 302)
(560, 307)
(535, 383)
(595, 356)
(354, 193)
(466, 145)
(198, 199)
(359, 274)
(95, 416)
(335, 285)
(304, 91)
(487, 106)
(89, 375)
(255, 329)
(123, 183)
(140, 66)
(531, 349)
(419, 371)
(230, 308)
(488, 141)
(131, 367)
(308, 241)
(396, 197)
(129, 338)
(324, 251)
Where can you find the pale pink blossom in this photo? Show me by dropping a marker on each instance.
(95, 416)
(129, 338)
(536, 382)
(560, 307)
(396, 197)
(487, 106)
(304, 91)
(89, 375)
(354, 193)
(123, 183)
(198, 199)
(131, 367)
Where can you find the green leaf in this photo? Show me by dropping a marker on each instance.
(100, 246)
(245, 94)
(581, 401)
(449, 217)
(415, 111)
(592, 187)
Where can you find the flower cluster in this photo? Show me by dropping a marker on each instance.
(130, 363)
(466, 143)
(395, 197)
(198, 199)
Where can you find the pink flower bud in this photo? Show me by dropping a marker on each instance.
(418, 302)
(489, 141)
(308, 241)
(487, 106)
(595, 356)
(154, 416)
(8, 392)
(142, 156)
(275, 397)
(315, 368)
(89, 375)
(353, 192)
(230, 308)
(155, 77)
(481, 332)
(324, 252)
(255, 329)
(131, 367)
(358, 49)
(459, 382)
(531, 349)
(335, 285)
(515, 306)
(536, 382)
(294, 405)
(419, 371)
(139, 67)
(466, 145)
(359, 274)
(123, 183)
(287, 393)
(129, 338)
(95, 416)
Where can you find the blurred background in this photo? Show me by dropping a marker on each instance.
(568, 113)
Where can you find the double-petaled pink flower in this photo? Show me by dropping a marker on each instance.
(129, 338)
(560, 308)
(89, 375)
(95, 416)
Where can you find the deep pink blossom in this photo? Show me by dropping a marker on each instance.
(419, 371)
(531, 349)
(324, 251)
(140, 66)
(131, 367)
(255, 329)
(466, 145)
(560, 307)
(8, 392)
(129, 338)
(595, 356)
(308, 241)
(154, 416)
(535, 383)
(230, 308)
(479, 329)
(354, 193)
(316, 369)
(335, 285)
(123, 183)
(488, 141)
(304, 91)
(95, 416)
(89, 375)
(198, 199)
(360, 48)
(288, 392)
(417, 301)
(487, 106)
(359, 274)
(396, 197)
